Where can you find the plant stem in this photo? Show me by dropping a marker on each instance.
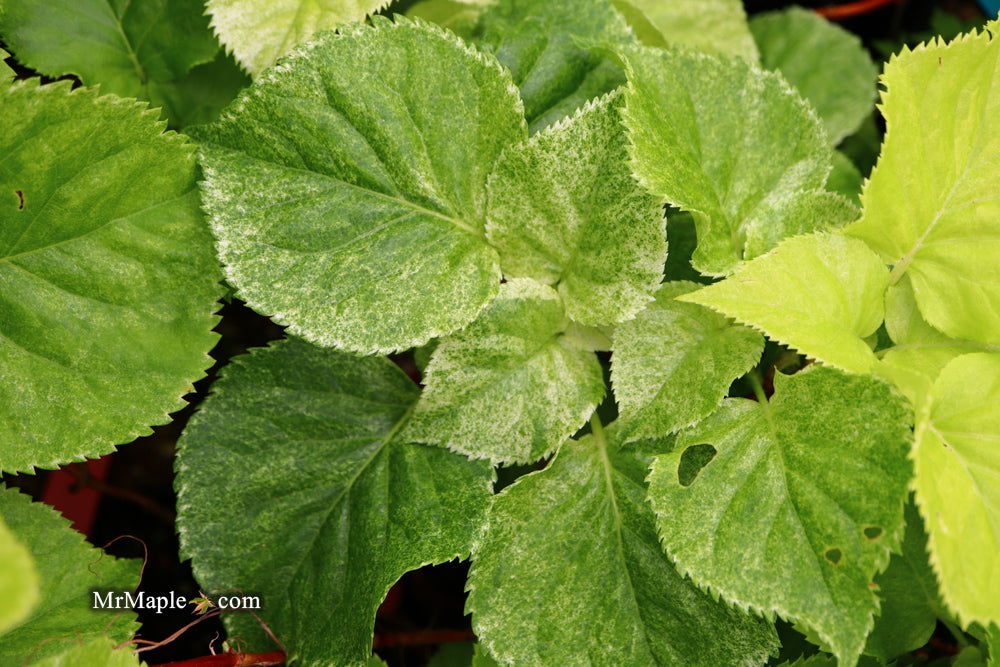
(953, 629)
(231, 660)
(758, 386)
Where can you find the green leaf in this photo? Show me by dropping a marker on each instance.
(98, 653)
(777, 520)
(826, 63)
(674, 362)
(970, 656)
(108, 279)
(258, 32)
(509, 387)
(480, 658)
(820, 294)
(845, 178)
(715, 26)
(747, 184)
(129, 48)
(863, 146)
(69, 570)
(565, 210)
(547, 48)
(931, 207)
(455, 654)
(293, 483)
(957, 464)
(6, 73)
(682, 241)
(910, 601)
(201, 95)
(570, 572)
(992, 637)
(353, 209)
(459, 17)
(19, 591)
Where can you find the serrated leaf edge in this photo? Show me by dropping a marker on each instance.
(161, 414)
(893, 544)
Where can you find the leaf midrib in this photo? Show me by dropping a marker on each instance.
(348, 486)
(405, 203)
(89, 232)
(129, 51)
(904, 262)
(602, 450)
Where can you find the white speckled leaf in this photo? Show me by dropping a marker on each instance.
(716, 26)
(932, 206)
(258, 32)
(776, 519)
(68, 569)
(293, 483)
(352, 208)
(570, 572)
(565, 210)
(129, 48)
(509, 387)
(547, 47)
(735, 146)
(108, 279)
(957, 468)
(820, 294)
(826, 63)
(673, 364)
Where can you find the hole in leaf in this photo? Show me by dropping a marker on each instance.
(20, 199)
(833, 555)
(693, 460)
(873, 532)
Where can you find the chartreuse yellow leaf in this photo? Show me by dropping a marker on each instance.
(18, 579)
(932, 206)
(748, 185)
(97, 653)
(353, 208)
(820, 294)
(920, 351)
(762, 502)
(258, 32)
(570, 572)
(956, 461)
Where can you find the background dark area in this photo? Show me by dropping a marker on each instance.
(425, 607)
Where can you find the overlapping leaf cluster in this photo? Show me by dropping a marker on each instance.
(500, 203)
